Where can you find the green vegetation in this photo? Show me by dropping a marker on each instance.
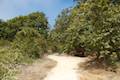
(31, 43)
(91, 27)
(34, 20)
(22, 39)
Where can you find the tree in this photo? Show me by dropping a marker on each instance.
(94, 25)
(57, 35)
(30, 43)
(105, 26)
(36, 20)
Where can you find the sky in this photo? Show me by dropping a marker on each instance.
(12, 8)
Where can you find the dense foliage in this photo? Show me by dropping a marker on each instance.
(92, 27)
(31, 43)
(36, 20)
(22, 39)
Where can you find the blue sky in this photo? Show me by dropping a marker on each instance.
(12, 8)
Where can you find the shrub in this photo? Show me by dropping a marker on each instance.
(30, 43)
(8, 59)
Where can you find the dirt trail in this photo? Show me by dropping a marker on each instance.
(63, 68)
(66, 68)
(36, 71)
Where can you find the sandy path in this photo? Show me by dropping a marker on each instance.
(36, 71)
(66, 68)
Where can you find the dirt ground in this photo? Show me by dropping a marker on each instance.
(66, 68)
(97, 73)
(36, 71)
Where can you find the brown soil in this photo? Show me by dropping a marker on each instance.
(36, 71)
(98, 72)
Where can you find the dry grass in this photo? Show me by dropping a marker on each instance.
(99, 74)
(95, 71)
(36, 71)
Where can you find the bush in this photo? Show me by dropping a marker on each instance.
(94, 26)
(30, 43)
(4, 43)
(8, 59)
